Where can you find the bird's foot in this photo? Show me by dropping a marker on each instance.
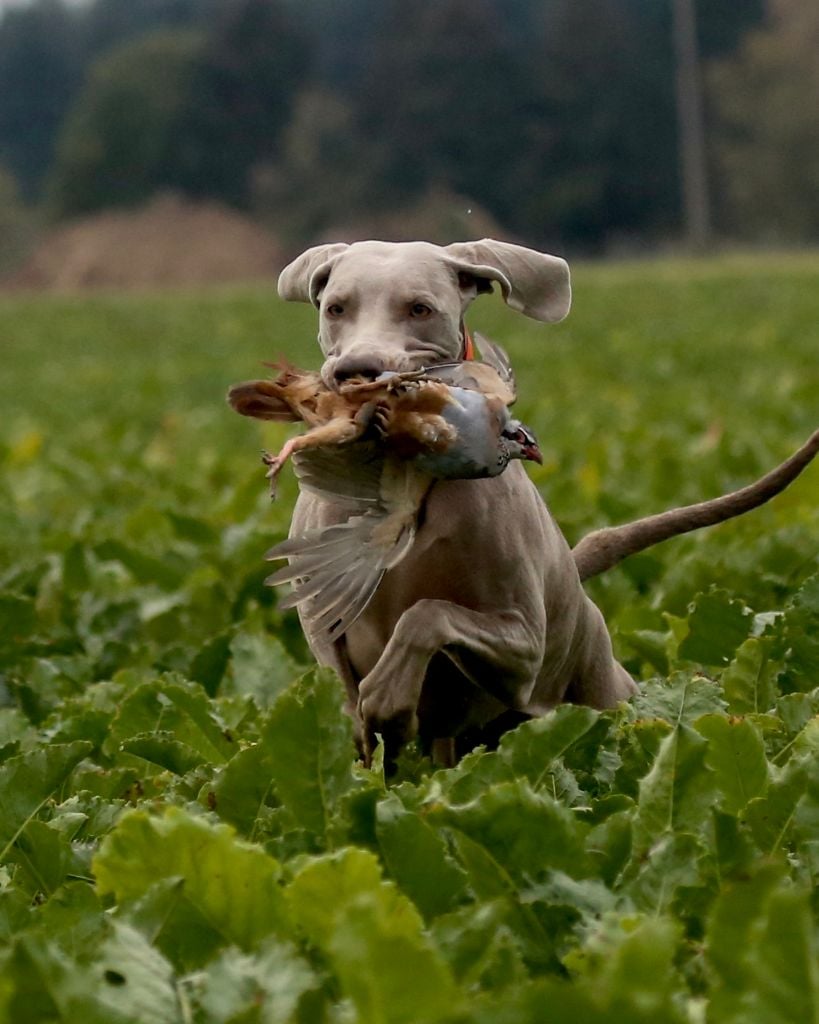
(274, 464)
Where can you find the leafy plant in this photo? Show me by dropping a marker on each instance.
(184, 833)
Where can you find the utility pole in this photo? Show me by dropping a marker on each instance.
(690, 126)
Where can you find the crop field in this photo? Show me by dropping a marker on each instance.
(185, 835)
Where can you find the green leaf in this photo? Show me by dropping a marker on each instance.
(181, 711)
(143, 567)
(473, 775)
(748, 682)
(650, 644)
(243, 790)
(161, 749)
(526, 832)
(19, 618)
(761, 948)
(677, 792)
(28, 781)
(639, 744)
(785, 979)
(174, 924)
(260, 667)
(770, 817)
(119, 980)
(482, 945)
(191, 528)
(329, 883)
(232, 884)
(307, 740)
(531, 749)
(76, 577)
(637, 979)
(379, 961)
(682, 698)
(672, 862)
(623, 972)
(717, 625)
(374, 939)
(16, 728)
(44, 857)
(733, 927)
(608, 844)
(487, 877)
(210, 662)
(736, 755)
(795, 640)
(267, 986)
(416, 856)
(73, 917)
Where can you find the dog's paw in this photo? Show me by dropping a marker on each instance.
(385, 714)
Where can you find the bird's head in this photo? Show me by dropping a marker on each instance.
(519, 442)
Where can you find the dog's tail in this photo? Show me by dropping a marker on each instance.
(605, 548)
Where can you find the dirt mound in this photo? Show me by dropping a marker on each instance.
(170, 242)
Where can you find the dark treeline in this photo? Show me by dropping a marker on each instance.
(553, 120)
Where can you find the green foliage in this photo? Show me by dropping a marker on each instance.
(184, 834)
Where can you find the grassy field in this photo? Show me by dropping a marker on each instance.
(146, 700)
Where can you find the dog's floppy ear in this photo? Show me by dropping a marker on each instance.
(303, 279)
(533, 283)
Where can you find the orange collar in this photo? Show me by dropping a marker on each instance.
(469, 345)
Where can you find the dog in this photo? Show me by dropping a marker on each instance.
(485, 622)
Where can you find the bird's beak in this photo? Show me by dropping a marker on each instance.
(530, 448)
(533, 453)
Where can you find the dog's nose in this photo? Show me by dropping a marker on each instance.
(369, 366)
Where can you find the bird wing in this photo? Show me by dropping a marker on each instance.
(350, 474)
(496, 357)
(335, 570)
(493, 376)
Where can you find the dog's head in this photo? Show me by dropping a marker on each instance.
(400, 305)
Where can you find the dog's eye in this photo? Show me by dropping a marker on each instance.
(420, 311)
(334, 310)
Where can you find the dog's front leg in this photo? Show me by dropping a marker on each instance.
(500, 647)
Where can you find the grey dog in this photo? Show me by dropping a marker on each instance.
(485, 622)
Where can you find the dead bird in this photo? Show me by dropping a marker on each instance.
(417, 414)
(378, 447)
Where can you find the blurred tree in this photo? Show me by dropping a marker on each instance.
(721, 24)
(766, 99)
(253, 64)
(109, 23)
(326, 173)
(606, 170)
(178, 109)
(559, 121)
(557, 116)
(120, 142)
(40, 67)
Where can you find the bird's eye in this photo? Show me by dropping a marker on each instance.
(334, 310)
(420, 311)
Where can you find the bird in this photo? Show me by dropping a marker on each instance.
(377, 447)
